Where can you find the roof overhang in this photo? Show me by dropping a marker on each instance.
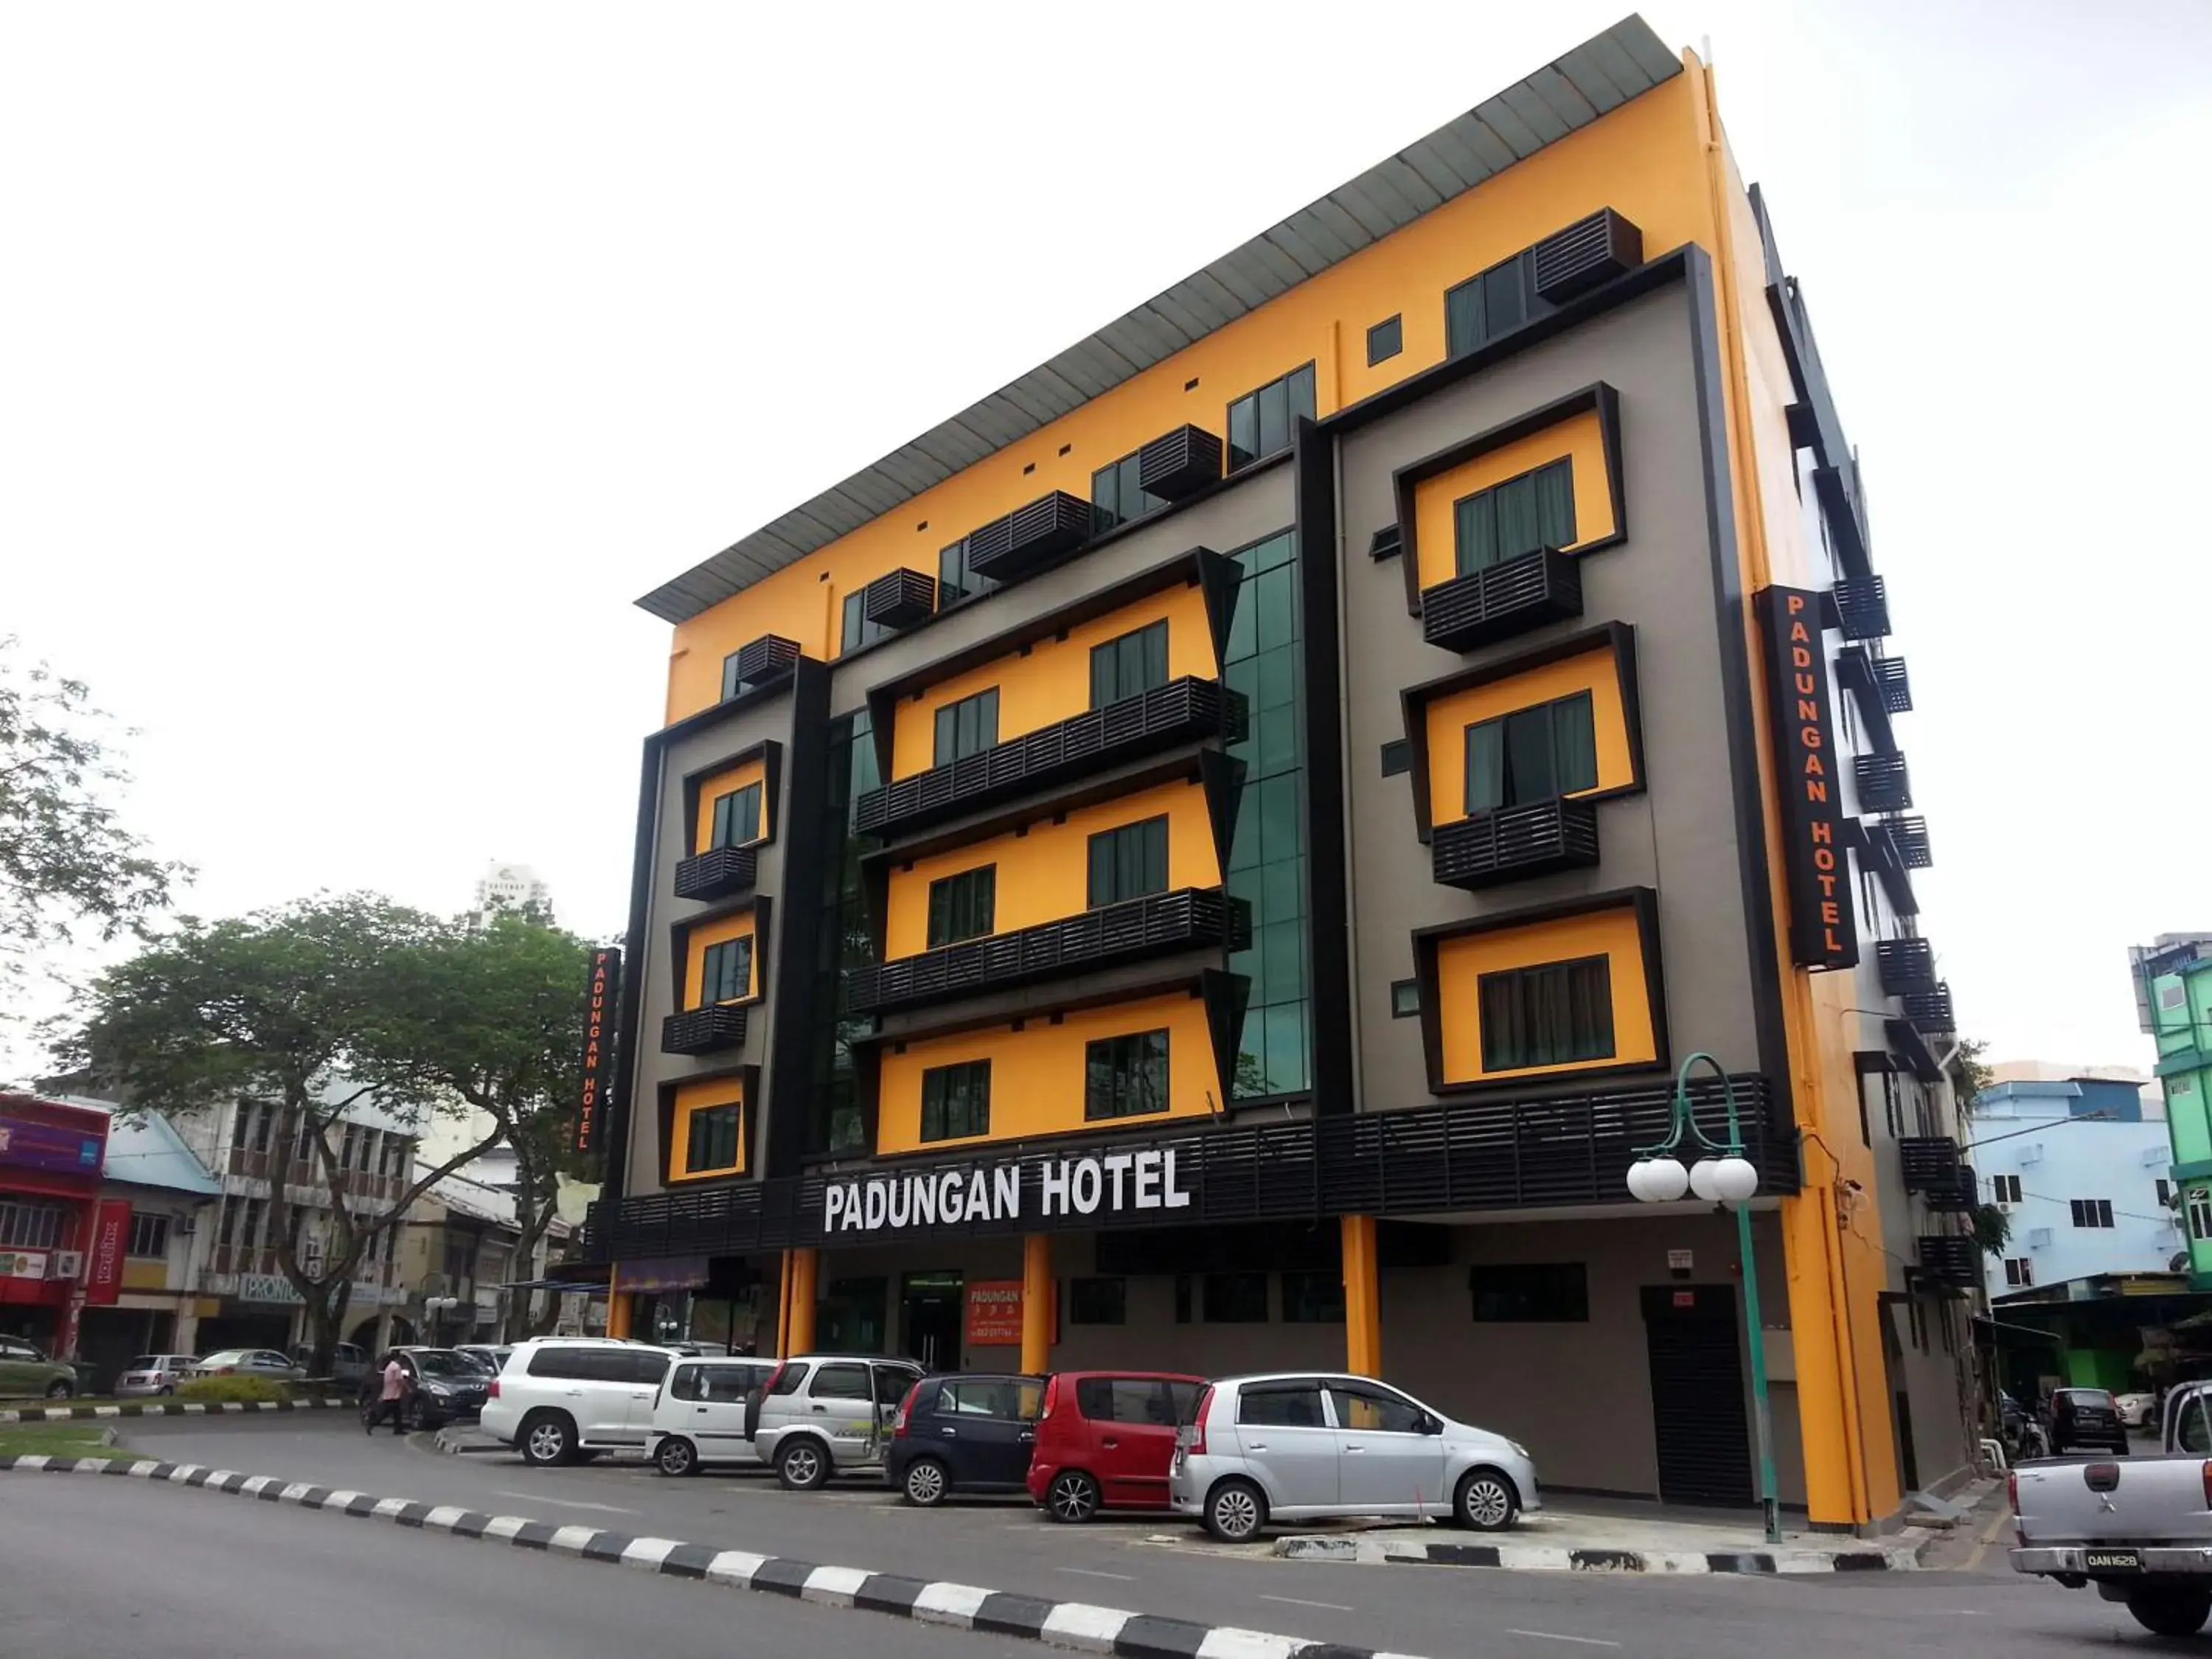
(1569, 92)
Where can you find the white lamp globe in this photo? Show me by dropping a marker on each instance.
(1635, 1184)
(1665, 1180)
(1701, 1180)
(1734, 1179)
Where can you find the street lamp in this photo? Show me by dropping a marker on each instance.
(1722, 1176)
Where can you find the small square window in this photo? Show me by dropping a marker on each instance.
(1397, 757)
(1385, 340)
(1405, 997)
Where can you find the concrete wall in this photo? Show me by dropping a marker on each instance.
(2061, 1158)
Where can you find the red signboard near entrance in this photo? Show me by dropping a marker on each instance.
(994, 1312)
(103, 1265)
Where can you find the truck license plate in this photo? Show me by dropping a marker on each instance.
(2113, 1561)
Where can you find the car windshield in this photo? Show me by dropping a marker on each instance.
(438, 1362)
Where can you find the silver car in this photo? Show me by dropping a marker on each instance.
(249, 1362)
(1298, 1446)
(824, 1414)
(153, 1374)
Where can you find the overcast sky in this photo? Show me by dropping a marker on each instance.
(359, 368)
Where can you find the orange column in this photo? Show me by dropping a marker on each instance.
(1037, 1304)
(799, 1322)
(1363, 1298)
(618, 1306)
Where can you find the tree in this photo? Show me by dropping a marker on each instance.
(1992, 1229)
(495, 1019)
(1969, 1076)
(66, 860)
(290, 1005)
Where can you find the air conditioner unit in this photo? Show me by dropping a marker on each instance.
(66, 1264)
(2161, 1154)
(184, 1225)
(2031, 1154)
(2038, 1237)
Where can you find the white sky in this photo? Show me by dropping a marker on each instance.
(358, 367)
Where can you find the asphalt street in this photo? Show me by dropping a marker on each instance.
(95, 1569)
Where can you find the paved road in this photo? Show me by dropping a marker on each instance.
(1442, 1612)
(91, 1569)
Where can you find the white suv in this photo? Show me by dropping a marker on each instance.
(563, 1397)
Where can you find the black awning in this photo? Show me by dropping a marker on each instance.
(1906, 1041)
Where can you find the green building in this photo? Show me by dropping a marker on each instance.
(2175, 978)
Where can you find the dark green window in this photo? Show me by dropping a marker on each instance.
(1534, 1292)
(727, 972)
(1313, 1298)
(1125, 1076)
(962, 906)
(1536, 509)
(1405, 997)
(968, 727)
(711, 1142)
(729, 677)
(1138, 661)
(1386, 340)
(859, 631)
(1531, 755)
(955, 581)
(955, 1101)
(1553, 1015)
(737, 817)
(1495, 302)
(1117, 498)
(1262, 422)
(1129, 862)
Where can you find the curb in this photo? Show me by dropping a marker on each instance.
(454, 1445)
(164, 1408)
(1558, 1557)
(964, 1606)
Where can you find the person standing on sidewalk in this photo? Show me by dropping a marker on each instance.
(392, 1402)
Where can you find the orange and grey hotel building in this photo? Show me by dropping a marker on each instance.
(1211, 858)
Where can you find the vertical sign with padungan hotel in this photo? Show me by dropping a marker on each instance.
(1823, 927)
(604, 985)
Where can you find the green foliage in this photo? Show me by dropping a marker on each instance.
(225, 1389)
(1992, 1229)
(66, 860)
(1969, 1076)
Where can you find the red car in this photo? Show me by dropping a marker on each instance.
(1105, 1438)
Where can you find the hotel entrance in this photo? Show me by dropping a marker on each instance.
(930, 1306)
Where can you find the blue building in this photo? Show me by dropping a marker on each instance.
(2084, 1172)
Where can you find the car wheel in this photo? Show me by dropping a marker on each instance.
(58, 1389)
(548, 1439)
(1072, 1496)
(2179, 1612)
(1235, 1510)
(1485, 1501)
(165, 1390)
(676, 1456)
(412, 1417)
(927, 1482)
(802, 1465)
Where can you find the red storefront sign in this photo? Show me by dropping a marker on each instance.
(103, 1264)
(994, 1313)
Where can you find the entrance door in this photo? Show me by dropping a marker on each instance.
(1697, 1394)
(929, 1320)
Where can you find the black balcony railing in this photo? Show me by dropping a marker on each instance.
(720, 872)
(1512, 843)
(766, 659)
(899, 599)
(1487, 606)
(1537, 1152)
(1586, 254)
(1906, 964)
(1191, 918)
(1959, 1195)
(1896, 685)
(1179, 463)
(1861, 608)
(1029, 536)
(703, 1030)
(1950, 1259)
(1885, 786)
(1181, 711)
(1909, 836)
(1930, 1009)
(1927, 1162)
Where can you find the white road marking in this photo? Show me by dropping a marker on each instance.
(1074, 1625)
(1223, 1642)
(570, 1540)
(566, 1502)
(649, 1552)
(1087, 1572)
(834, 1585)
(1553, 1636)
(941, 1603)
(1292, 1600)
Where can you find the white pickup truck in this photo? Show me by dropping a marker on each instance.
(2139, 1529)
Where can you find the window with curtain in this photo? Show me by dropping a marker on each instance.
(1137, 661)
(1262, 422)
(968, 727)
(737, 817)
(1553, 1015)
(962, 906)
(1116, 497)
(1493, 302)
(1129, 862)
(727, 974)
(710, 1141)
(955, 1101)
(1125, 1076)
(1531, 755)
(1536, 509)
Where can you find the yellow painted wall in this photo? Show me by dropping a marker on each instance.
(1449, 717)
(147, 1275)
(712, 789)
(1577, 437)
(1046, 873)
(1037, 1073)
(697, 1096)
(740, 925)
(1054, 681)
(1461, 962)
(1640, 159)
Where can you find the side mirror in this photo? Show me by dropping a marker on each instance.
(1431, 1424)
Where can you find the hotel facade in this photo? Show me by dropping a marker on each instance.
(1213, 857)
